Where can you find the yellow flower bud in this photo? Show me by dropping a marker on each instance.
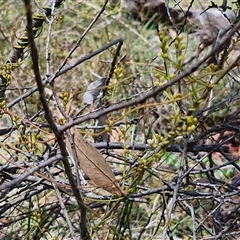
(191, 128)
(182, 47)
(177, 95)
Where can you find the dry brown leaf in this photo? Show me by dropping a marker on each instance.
(94, 165)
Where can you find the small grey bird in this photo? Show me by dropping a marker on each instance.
(93, 91)
(209, 25)
(144, 10)
(211, 21)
